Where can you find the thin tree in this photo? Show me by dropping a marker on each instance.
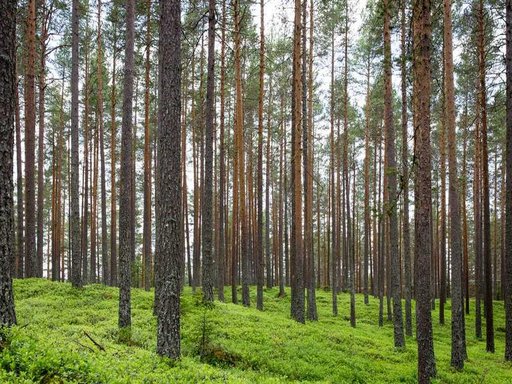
(221, 254)
(390, 174)
(126, 183)
(489, 324)
(508, 234)
(146, 235)
(260, 263)
(296, 249)
(20, 240)
(76, 278)
(207, 198)
(458, 339)
(101, 126)
(168, 252)
(7, 113)
(423, 187)
(30, 126)
(406, 246)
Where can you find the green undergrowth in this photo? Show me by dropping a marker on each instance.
(67, 335)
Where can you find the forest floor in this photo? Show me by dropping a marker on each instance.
(67, 335)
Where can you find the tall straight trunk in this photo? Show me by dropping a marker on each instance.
(367, 218)
(94, 207)
(221, 252)
(391, 172)
(20, 238)
(260, 261)
(423, 187)
(406, 246)
(43, 44)
(489, 323)
(113, 156)
(76, 277)
(296, 250)
(146, 235)
(104, 235)
(268, 185)
(30, 126)
(350, 249)
(458, 338)
(282, 199)
(312, 312)
(86, 160)
(207, 188)
(126, 217)
(477, 212)
(442, 215)
(168, 252)
(239, 153)
(7, 114)
(465, 247)
(508, 233)
(332, 183)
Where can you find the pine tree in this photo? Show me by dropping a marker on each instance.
(7, 112)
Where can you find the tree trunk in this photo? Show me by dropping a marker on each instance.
(126, 218)
(489, 324)
(390, 173)
(146, 241)
(406, 246)
(207, 199)
(113, 140)
(104, 235)
(508, 233)
(423, 187)
(296, 250)
(7, 113)
(76, 264)
(168, 252)
(458, 339)
(31, 269)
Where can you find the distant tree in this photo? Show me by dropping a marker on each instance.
(423, 187)
(7, 112)
(146, 241)
(168, 252)
(508, 233)
(76, 279)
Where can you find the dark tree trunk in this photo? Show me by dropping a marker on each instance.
(489, 323)
(126, 217)
(146, 242)
(390, 173)
(76, 264)
(20, 240)
(406, 246)
(207, 198)
(30, 126)
(168, 252)
(7, 112)
(508, 233)
(458, 338)
(423, 188)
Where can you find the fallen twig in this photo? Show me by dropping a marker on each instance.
(100, 347)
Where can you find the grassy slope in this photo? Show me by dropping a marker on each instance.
(243, 345)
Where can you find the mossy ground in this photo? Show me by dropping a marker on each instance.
(223, 344)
